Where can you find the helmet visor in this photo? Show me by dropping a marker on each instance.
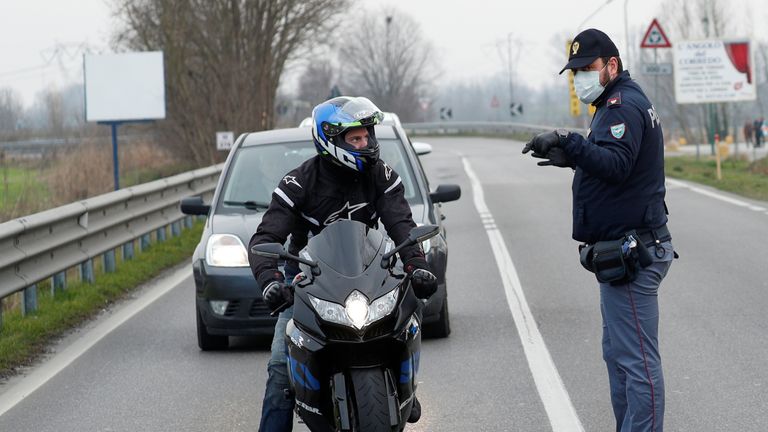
(357, 112)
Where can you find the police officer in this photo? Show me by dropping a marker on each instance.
(618, 187)
(345, 180)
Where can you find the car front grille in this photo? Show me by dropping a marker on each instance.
(232, 308)
(258, 309)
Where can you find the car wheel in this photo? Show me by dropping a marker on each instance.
(208, 342)
(442, 327)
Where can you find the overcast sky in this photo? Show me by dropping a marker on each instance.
(42, 41)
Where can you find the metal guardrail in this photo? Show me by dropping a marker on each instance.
(482, 127)
(36, 247)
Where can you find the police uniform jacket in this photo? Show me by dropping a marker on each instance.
(619, 181)
(318, 193)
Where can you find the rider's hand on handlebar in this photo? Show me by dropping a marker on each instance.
(424, 282)
(278, 296)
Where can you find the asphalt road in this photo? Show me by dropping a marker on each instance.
(148, 374)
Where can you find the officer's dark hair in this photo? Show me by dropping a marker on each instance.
(620, 66)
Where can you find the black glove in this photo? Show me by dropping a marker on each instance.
(556, 157)
(542, 143)
(423, 281)
(278, 296)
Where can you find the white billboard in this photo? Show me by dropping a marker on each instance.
(714, 71)
(124, 87)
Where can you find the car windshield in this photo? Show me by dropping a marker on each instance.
(257, 170)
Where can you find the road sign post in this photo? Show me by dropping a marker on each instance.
(655, 38)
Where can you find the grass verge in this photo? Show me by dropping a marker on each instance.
(739, 177)
(23, 339)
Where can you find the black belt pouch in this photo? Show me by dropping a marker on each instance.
(610, 264)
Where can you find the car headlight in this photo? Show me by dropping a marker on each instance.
(426, 245)
(356, 312)
(225, 250)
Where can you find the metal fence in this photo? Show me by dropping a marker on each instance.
(44, 245)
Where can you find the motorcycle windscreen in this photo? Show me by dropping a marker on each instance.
(348, 247)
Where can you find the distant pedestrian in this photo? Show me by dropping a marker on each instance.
(748, 132)
(620, 214)
(758, 131)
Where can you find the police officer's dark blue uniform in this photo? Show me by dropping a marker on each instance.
(618, 186)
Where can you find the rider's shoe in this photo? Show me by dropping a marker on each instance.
(415, 411)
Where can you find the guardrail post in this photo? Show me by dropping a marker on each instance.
(128, 251)
(29, 300)
(86, 272)
(58, 282)
(145, 241)
(109, 261)
(176, 229)
(161, 234)
(188, 222)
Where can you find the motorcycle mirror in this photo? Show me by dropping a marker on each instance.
(424, 232)
(269, 250)
(417, 235)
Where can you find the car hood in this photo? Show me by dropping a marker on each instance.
(241, 225)
(244, 225)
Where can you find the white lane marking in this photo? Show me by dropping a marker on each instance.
(57, 363)
(562, 415)
(716, 196)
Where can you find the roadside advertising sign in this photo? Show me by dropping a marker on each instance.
(714, 71)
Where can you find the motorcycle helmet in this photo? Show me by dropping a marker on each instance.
(330, 122)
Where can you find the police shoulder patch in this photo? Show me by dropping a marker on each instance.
(614, 100)
(618, 130)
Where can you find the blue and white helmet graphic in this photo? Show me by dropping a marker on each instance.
(330, 122)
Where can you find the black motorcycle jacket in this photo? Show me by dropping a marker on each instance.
(318, 193)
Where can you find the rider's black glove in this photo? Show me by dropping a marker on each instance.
(423, 281)
(556, 157)
(278, 296)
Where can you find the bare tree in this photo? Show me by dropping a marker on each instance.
(317, 81)
(389, 61)
(223, 60)
(11, 111)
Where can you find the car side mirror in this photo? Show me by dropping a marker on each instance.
(421, 148)
(194, 206)
(445, 193)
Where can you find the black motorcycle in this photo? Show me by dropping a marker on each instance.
(355, 337)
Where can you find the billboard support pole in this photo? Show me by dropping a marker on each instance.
(115, 157)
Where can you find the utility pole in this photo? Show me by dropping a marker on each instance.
(509, 59)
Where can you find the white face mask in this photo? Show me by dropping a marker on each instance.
(587, 85)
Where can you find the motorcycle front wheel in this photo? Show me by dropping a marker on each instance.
(371, 408)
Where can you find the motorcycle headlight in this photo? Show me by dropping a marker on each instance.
(356, 307)
(356, 312)
(225, 250)
(383, 306)
(329, 311)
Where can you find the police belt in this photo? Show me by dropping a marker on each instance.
(618, 261)
(653, 237)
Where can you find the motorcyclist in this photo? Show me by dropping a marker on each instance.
(346, 180)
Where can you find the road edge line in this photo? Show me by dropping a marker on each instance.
(557, 403)
(50, 368)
